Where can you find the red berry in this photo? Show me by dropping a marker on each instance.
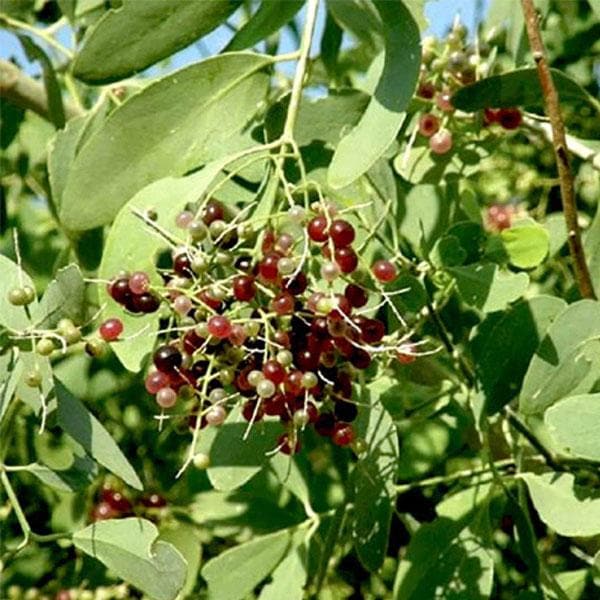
(145, 303)
(111, 329)
(205, 297)
(384, 270)
(426, 90)
(139, 282)
(214, 211)
(372, 331)
(250, 412)
(307, 360)
(490, 115)
(317, 229)
(156, 381)
(293, 383)
(182, 265)
(343, 434)
(192, 341)
(153, 501)
(238, 334)
(119, 290)
(116, 500)
(268, 242)
(297, 285)
(345, 411)
(428, 124)
(282, 338)
(167, 358)
(325, 424)
(341, 233)
(441, 142)
(283, 304)
(219, 326)
(356, 295)
(103, 511)
(274, 371)
(499, 216)
(268, 267)
(444, 102)
(244, 288)
(346, 259)
(360, 358)
(510, 118)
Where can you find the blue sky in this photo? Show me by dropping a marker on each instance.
(440, 14)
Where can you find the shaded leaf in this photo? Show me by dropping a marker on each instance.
(85, 429)
(130, 548)
(500, 367)
(487, 288)
(517, 88)
(383, 117)
(175, 124)
(269, 18)
(10, 373)
(80, 474)
(574, 423)
(569, 509)
(592, 249)
(287, 580)
(137, 34)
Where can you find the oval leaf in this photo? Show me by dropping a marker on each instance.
(129, 548)
(569, 509)
(177, 123)
(138, 34)
(526, 245)
(575, 424)
(382, 119)
(517, 88)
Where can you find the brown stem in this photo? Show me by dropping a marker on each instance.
(559, 142)
(25, 92)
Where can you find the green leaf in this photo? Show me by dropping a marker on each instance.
(137, 34)
(56, 110)
(517, 88)
(79, 475)
(10, 373)
(487, 288)
(382, 119)
(177, 123)
(591, 247)
(129, 245)
(185, 539)
(288, 473)
(420, 165)
(500, 367)
(567, 359)
(447, 252)
(287, 580)
(449, 557)
(85, 429)
(574, 423)
(234, 460)
(236, 572)
(270, 17)
(569, 509)
(526, 244)
(64, 298)
(13, 317)
(360, 18)
(373, 481)
(424, 215)
(130, 548)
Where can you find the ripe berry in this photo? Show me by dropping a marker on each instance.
(428, 124)
(341, 233)
(283, 304)
(444, 102)
(244, 288)
(343, 434)
(325, 424)
(182, 265)
(139, 282)
(297, 285)
(243, 263)
(219, 326)
(499, 216)
(166, 397)
(287, 446)
(167, 358)
(155, 381)
(293, 383)
(440, 142)
(372, 331)
(145, 303)
(268, 267)
(510, 118)
(346, 259)
(253, 411)
(116, 500)
(103, 511)
(238, 334)
(490, 115)
(426, 90)
(274, 371)
(111, 329)
(360, 358)
(345, 411)
(307, 360)
(119, 290)
(356, 295)
(384, 271)
(153, 500)
(213, 211)
(317, 229)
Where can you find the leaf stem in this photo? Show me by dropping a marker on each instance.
(561, 151)
(40, 33)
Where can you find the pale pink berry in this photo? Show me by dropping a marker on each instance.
(183, 219)
(182, 305)
(166, 397)
(215, 415)
(440, 142)
(139, 282)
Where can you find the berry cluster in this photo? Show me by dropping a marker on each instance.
(445, 68)
(113, 504)
(276, 323)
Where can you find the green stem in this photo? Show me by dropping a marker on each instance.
(15, 23)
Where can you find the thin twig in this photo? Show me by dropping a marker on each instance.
(561, 152)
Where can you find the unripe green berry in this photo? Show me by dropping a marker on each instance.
(33, 378)
(216, 228)
(96, 348)
(198, 230)
(45, 347)
(72, 336)
(245, 231)
(284, 357)
(17, 297)
(201, 461)
(252, 328)
(217, 395)
(301, 418)
(199, 264)
(226, 375)
(286, 266)
(309, 380)
(255, 377)
(64, 325)
(265, 388)
(223, 258)
(359, 445)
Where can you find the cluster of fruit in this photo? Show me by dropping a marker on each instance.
(114, 504)
(275, 323)
(446, 67)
